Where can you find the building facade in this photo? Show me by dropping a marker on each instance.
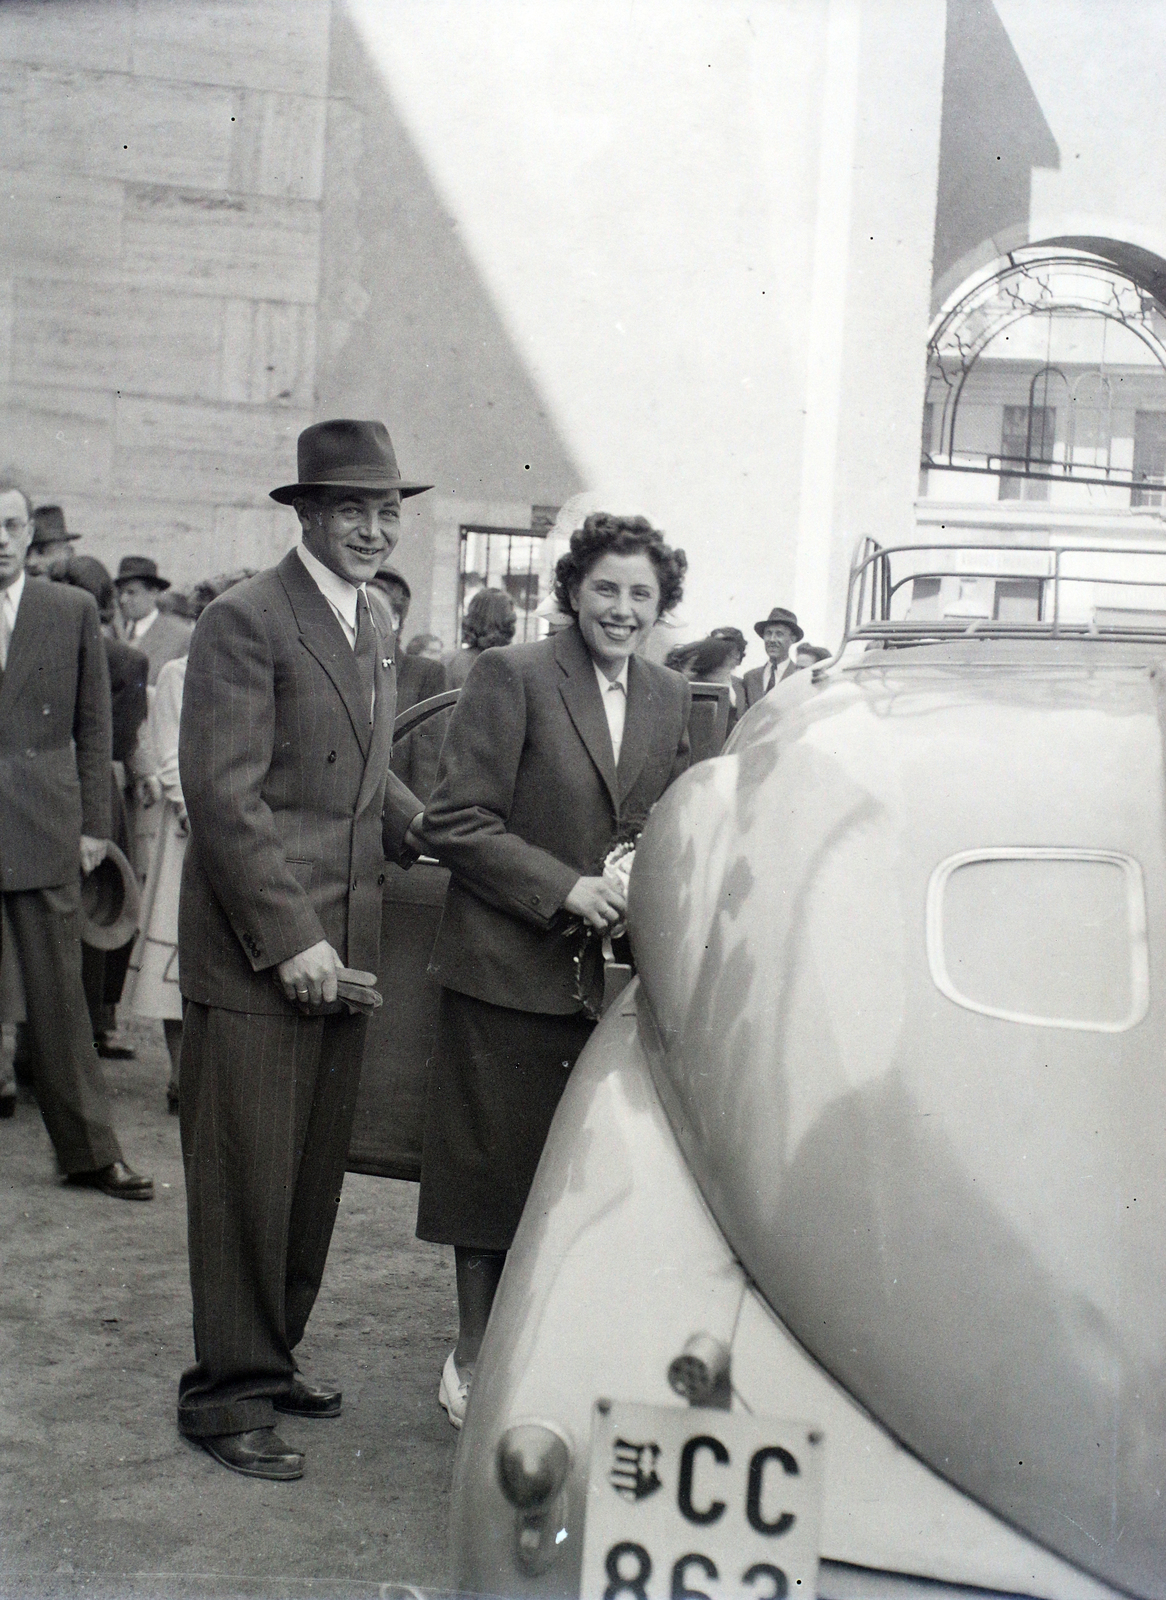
(688, 258)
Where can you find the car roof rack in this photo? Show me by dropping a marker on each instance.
(1057, 588)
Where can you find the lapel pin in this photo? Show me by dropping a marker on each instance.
(386, 662)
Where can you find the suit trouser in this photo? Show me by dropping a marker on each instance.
(267, 1104)
(66, 1074)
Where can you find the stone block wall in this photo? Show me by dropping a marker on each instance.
(161, 195)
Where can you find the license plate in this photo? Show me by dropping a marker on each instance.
(686, 1502)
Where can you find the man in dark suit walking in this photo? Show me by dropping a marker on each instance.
(55, 754)
(779, 632)
(284, 756)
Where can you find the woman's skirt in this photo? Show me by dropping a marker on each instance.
(494, 1082)
(152, 984)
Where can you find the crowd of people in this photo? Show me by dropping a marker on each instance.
(240, 776)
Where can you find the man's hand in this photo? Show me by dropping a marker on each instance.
(93, 853)
(147, 791)
(598, 902)
(414, 839)
(309, 979)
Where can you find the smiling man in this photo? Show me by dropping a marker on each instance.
(284, 756)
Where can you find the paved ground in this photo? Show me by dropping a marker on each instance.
(99, 1496)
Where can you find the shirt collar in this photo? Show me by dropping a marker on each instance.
(606, 683)
(337, 591)
(143, 625)
(14, 591)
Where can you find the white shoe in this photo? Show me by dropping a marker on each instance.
(453, 1391)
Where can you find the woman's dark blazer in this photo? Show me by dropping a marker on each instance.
(527, 801)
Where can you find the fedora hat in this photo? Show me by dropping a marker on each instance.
(142, 568)
(787, 620)
(110, 903)
(48, 526)
(346, 455)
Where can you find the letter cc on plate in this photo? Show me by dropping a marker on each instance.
(691, 1504)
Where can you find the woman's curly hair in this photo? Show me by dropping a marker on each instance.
(490, 620)
(603, 534)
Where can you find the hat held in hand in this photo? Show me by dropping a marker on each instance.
(110, 903)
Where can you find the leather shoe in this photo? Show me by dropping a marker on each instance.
(258, 1453)
(118, 1180)
(111, 1047)
(307, 1399)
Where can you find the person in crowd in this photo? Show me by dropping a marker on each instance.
(283, 761)
(418, 678)
(708, 660)
(737, 683)
(490, 621)
(104, 971)
(429, 645)
(808, 655)
(555, 751)
(56, 745)
(779, 632)
(51, 549)
(154, 990)
(163, 636)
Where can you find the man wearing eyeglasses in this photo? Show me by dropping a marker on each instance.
(55, 754)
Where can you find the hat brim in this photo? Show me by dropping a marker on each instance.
(292, 491)
(55, 538)
(112, 935)
(140, 577)
(776, 622)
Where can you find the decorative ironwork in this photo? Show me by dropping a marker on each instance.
(1054, 287)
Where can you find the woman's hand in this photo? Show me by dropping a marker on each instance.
(599, 902)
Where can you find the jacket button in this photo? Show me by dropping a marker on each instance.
(534, 899)
(331, 755)
(354, 883)
(381, 879)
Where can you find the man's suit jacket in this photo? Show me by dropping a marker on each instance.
(285, 782)
(167, 638)
(755, 681)
(528, 800)
(415, 757)
(55, 738)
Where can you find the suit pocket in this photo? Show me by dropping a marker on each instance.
(302, 872)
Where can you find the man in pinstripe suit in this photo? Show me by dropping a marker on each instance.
(284, 756)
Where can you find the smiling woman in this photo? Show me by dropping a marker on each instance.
(555, 751)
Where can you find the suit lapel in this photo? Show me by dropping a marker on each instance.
(584, 704)
(28, 640)
(324, 638)
(637, 732)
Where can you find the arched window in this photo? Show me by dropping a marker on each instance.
(1046, 382)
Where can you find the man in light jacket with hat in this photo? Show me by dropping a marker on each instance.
(779, 632)
(284, 757)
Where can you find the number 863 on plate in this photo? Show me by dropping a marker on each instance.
(685, 1503)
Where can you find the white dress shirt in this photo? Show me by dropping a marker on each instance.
(615, 704)
(143, 625)
(339, 593)
(9, 606)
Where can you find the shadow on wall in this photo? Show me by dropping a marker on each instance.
(408, 330)
(993, 133)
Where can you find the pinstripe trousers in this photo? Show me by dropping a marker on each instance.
(266, 1115)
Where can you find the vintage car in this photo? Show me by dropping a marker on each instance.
(845, 1262)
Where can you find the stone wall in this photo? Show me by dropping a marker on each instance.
(161, 178)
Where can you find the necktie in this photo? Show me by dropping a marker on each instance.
(366, 649)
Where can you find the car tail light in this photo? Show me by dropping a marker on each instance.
(533, 1461)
